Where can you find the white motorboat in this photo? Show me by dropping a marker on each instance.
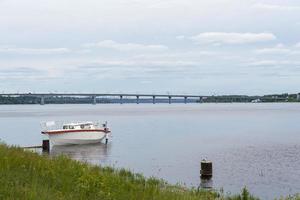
(75, 133)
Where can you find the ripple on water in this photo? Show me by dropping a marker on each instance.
(268, 171)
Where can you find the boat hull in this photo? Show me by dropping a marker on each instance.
(79, 137)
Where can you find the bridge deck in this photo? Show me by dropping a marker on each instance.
(99, 94)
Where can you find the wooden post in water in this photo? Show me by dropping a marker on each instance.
(46, 146)
(206, 171)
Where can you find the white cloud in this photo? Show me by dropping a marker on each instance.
(126, 68)
(263, 63)
(278, 49)
(6, 49)
(273, 51)
(120, 63)
(232, 38)
(185, 55)
(180, 37)
(297, 45)
(276, 7)
(273, 63)
(110, 44)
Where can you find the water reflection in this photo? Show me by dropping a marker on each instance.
(206, 183)
(92, 153)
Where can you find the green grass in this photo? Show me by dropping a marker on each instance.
(27, 175)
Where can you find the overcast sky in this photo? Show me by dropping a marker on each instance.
(154, 46)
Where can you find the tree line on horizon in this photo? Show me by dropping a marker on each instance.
(208, 99)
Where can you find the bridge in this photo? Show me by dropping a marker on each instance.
(94, 96)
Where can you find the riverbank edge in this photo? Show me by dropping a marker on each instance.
(28, 175)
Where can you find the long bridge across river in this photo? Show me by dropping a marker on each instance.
(121, 96)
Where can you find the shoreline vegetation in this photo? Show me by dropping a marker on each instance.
(28, 175)
(19, 99)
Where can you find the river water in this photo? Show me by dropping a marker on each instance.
(253, 145)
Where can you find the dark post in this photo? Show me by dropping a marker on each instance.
(106, 139)
(153, 100)
(200, 99)
(170, 99)
(121, 99)
(185, 100)
(137, 99)
(46, 146)
(206, 171)
(94, 100)
(42, 100)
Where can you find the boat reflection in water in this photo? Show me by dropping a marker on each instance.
(91, 153)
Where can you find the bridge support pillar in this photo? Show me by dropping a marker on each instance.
(200, 99)
(94, 100)
(170, 99)
(153, 100)
(185, 100)
(121, 99)
(137, 99)
(42, 100)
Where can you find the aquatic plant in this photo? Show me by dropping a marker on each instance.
(245, 195)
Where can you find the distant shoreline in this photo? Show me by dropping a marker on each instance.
(29, 100)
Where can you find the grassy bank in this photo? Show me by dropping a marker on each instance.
(26, 175)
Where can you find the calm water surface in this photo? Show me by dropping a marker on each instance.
(253, 145)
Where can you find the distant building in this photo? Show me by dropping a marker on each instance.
(298, 96)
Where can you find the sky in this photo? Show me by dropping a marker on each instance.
(205, 47)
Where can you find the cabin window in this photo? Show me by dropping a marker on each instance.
(65, 127)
